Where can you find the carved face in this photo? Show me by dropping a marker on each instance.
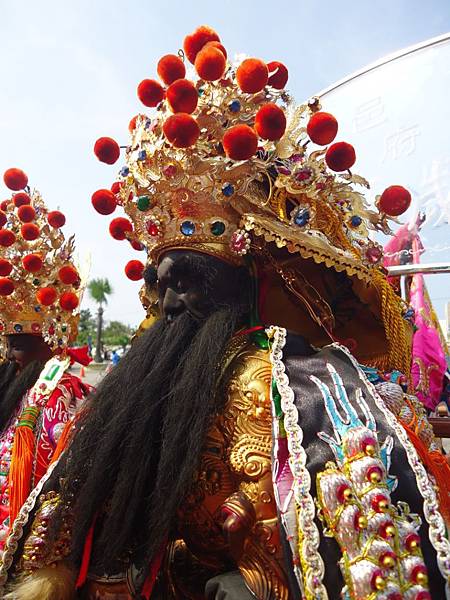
(195, 283)
(24, 348)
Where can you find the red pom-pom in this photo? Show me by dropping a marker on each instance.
(217, 45)
(210, 64)
(4, 205)
(7, 238)
(21, 198)
(278, 75)
(26, 213)
(252, 75)
(134, 270)
(46, 296)
(270, 122)
(394, 201)
(322, 128)
(137, 245)
(170, 68)
(119, 227)
(133, 122)
(29, 231)
(68, 301)
(181, 130)
(194, 42)
(182, 96)
(15, 179)
(5, 267)
(150, 92)
(3, 218)
(240, 142)
(68, 275)
(104, 202)
(56, 219)
(340, 156)
(32, 263)
(107, 150)
(6, 286)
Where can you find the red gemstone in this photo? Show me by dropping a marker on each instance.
(411, 539)
(375, 575)
(419, 569)
(153, 229)
(376, 502)
(374, 254)
(170, 170)
(239, 242)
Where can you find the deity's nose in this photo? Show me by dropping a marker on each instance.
(173, 305)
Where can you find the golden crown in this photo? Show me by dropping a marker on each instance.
(227, 153)
(40, 288)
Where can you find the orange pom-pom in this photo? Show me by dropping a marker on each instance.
(270, 122)
(181, 130)
(278, 75)
(394, 201)
(252, 75)
(210, 64)
(150, 92)
(68, 301)
(194, 42)
(170, 68)
(56, 219)
(7, 238)
(107, 150)
(5, 267)
(182, 96)
(6, 286)
(3, 218)
(46, 296)
(240, 142)
(134, 270)
(26, 213)
(20, 199)
(340, 156)
(217, 45)
(104, 202)
(32, 263)
(15, 179)
(29, 231)
(119, 227)
(68, 275)
(322, 128)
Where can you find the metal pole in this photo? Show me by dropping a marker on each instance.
(425, 269)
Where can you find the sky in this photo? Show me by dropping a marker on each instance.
(69, 72)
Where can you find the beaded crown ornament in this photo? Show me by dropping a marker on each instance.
(226, 153)
(40, 288)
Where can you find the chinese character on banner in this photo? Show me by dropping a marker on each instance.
(435, 197)
(369, 114)
(401, 143)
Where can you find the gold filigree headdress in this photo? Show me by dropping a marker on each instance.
(40, 288)
(227, 163)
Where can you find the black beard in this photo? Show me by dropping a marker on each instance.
(13, 386)
(138, 444)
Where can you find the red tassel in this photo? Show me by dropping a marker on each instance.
(87, 551)
(153, 574)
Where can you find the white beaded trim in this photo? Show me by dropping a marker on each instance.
(437, 529)
(309, 538)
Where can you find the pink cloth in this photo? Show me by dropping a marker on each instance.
(428, 356)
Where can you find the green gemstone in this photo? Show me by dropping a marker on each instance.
(143, 203)
(63, 328)
(217, 228)
(36, 282)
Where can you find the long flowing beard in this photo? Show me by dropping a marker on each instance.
(136, 449)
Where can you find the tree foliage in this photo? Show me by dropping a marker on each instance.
(86, 327)
(99, 290)
(117, 334)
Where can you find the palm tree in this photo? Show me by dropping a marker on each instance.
(99, 290)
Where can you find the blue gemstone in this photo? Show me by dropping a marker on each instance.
(187, 228)
(18, 327)
(147, 124)
(234, 106)
(355, 221)
(124, 171)
(302, 217)
(37, 309)
(142, 155)
(228, 190)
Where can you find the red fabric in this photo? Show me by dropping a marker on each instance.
(86, 559)
(80, 355)
(153, 573)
